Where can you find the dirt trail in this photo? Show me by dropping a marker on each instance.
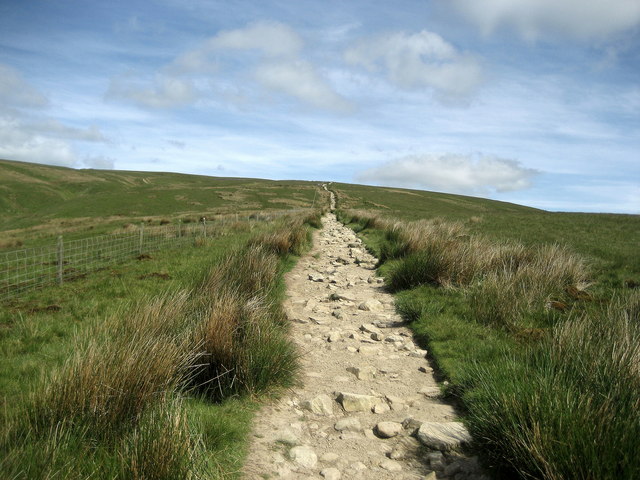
(369, 402)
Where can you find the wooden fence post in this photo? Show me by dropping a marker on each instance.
(60, 260)
(141, 237)
(179, 228)
(204, 227)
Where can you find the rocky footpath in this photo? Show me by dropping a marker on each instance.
(368, 405)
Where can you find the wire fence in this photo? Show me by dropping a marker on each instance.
(30, 268)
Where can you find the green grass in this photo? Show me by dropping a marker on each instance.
(38, 202)
(608, 241)
(545, 365)
(98, 375)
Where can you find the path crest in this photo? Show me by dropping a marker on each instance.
(368, 403)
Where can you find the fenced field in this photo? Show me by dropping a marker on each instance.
(30, 268)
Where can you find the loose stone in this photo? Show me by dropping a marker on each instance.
(331, 473)
(391, 466)
(303, 456)
(388, 429)
(443, 436)
(320, 405)
(353, 402)
(363, 373)
(348, 424)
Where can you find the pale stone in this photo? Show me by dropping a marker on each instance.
(381, 408)
(396, 403)
(378, 337)
(369, 328)
(316, 277)
(334, 336)
(371, 305)
(331, 473)
(287, 437)
(320, 405)
(418, 353)
(443, 436)
(368, 349)
(330, 457)
(363, 373)
(353, 402)
(430, 392)
(348, 424)
(388, 429)
(391, 466)
(303, 456)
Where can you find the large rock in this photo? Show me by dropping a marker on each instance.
(443, 436)
(303, 456)
(320, 405)
(353, 402)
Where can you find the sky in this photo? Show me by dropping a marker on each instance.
(535, 102)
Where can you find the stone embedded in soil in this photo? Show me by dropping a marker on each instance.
(303, 456)
(430, 392)
(443, 435)
(391, 466)
(320, 405)
(330, 457)
(287, 437)
(388, 429)
(363, 373)
(381, 408)
(354, 402)
(348, 424)
(316, 277)
(331, 474)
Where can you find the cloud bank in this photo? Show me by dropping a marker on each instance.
(532, 19)
(418, 60)
(451, 173)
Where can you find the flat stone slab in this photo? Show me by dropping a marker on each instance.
(443, 435)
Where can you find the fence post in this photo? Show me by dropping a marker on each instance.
(204, 227)
(60, 259)
(179, 228)
(141, 237)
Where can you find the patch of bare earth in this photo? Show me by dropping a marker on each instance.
(368, 406)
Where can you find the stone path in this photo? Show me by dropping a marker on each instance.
(368, 406)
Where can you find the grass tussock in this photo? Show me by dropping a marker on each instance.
(243, 341)
(567, 408)
(508, 284)
(113, 378)
(549, 374)
(114, 408)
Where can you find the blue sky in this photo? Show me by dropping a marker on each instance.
(535, 102)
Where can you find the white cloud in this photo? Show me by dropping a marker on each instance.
(302, 81)
(418, 60)
(271, 39)
(274, 39)
(51, 127)
(165, 91)
(451, 173)
(17, 143)
(582, 19)
(15, 91)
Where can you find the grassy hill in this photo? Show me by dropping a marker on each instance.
(609, 241)
(41, 200)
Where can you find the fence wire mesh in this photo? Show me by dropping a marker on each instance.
(31, 268)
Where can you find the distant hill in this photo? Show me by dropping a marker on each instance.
(47, 198)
